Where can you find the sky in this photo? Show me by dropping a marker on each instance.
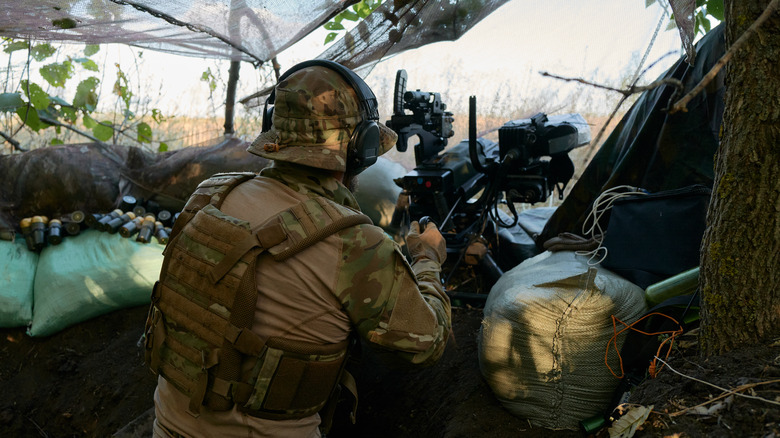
(499, 61)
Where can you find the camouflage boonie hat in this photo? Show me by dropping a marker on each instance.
(315, 112)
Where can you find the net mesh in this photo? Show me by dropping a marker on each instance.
(240, 30)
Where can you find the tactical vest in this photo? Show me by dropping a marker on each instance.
(198, 332)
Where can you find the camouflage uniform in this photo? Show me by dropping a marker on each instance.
(356, 280)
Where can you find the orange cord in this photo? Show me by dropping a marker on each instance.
(653, 369)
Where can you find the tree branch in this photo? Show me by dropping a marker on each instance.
(681, 105)
(13, 142)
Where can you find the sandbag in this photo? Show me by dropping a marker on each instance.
(17, 274)
(89, 275)
(376, 192)
(547, 323)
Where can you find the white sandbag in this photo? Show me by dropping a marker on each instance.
(546, 326)
(377, 193)
(89, 275)
(17, 274)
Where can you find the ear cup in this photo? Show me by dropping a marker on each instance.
(363, 146)
(268, 117)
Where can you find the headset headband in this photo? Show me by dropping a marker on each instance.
(367, 100)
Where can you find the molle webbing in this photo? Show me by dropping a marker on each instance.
(199, 329)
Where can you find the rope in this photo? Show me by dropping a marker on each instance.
(653, 369)
(601, 205)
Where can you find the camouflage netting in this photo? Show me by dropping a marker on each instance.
(57, 180)
(246, 30)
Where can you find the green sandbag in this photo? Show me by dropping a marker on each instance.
(90, 275)
(17, 273)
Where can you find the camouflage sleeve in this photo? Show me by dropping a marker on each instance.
(392, 305)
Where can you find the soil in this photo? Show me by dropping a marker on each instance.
(90, 381)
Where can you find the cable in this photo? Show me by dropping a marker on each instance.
(601, 205)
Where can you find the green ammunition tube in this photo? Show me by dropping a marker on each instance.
(130, 228)
(139, 210)
(164, 216)
(7, 234)
(76, 216)
(113, 225)
(72, 228)
(160, 234)
(103, 222)
(128, 203)
(684, 283)
(55, 232)
(92, 220)
(26, 226)
(147, 228)
(38, 229)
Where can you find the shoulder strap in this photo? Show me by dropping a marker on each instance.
(210, 191)
(293, 230)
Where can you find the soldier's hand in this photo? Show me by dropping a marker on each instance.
(426, 243)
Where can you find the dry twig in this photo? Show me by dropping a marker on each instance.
(726, 392)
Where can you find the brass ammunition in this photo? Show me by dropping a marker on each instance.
(164, 216)
(92, 220)
(26, 226)
(130, 228)
(38, 229)
(113, 225)
(147, 228)
(55, 232)
(103, 222)
(160, 233)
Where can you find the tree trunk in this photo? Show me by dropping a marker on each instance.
(740, 266)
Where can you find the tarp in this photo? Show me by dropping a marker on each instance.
(650, 148)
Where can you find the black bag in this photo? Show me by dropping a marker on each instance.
(652, 237)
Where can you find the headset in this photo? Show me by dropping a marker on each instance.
(363, 145)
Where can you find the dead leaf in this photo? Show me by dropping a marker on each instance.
(626, 426)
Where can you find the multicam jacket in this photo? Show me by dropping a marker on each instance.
(356, 280)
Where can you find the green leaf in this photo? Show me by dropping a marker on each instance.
(349, 15)
(144, 132)
(16, 45)
(362, 9)
(10, 101)
(64, 23)
(91, 49)
(333, 26)
(69, 114)
(30, 117)
(715, 8)
(38, 98)
(89, 122)
(330, 37)
(86, 97)
(157, 115)
(56, 74)
(103, 131)
(42, 51)
(163, 147)
(56, 141)
(88, 64)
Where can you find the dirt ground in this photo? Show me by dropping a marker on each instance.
(90, 381)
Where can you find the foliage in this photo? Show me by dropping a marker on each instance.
(359, 11)
(704, 12)
(41, 106)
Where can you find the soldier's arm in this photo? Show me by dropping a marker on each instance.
(393, 305)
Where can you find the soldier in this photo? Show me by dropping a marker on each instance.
(291, 245)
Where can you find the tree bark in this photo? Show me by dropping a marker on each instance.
(740, 266)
